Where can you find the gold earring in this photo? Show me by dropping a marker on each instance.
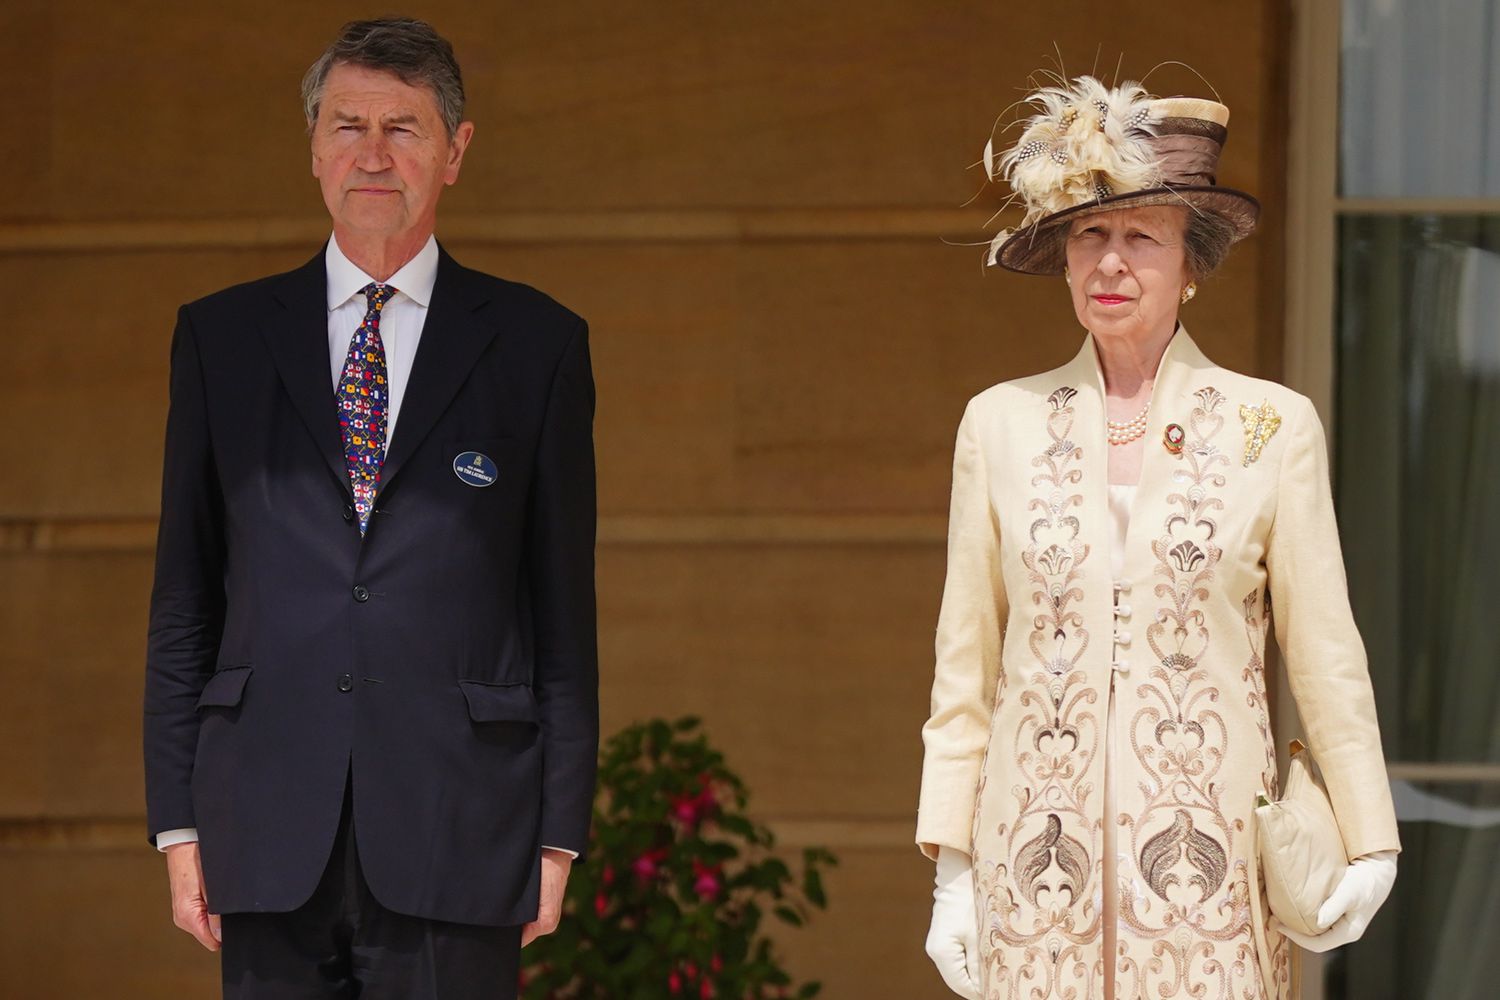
(1189, 291)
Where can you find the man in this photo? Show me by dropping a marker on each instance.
(371, 715)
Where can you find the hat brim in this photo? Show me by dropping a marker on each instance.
(1039, 247)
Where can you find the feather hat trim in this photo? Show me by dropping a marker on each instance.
(1091, 148)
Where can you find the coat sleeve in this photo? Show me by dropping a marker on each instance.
(561, 565)
(967, 654)
(187, 596)
(1321, 648)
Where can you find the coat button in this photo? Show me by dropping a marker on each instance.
(361, 593)
(1122, 611)
(348, 512)
(1122, 637)
(346, 683)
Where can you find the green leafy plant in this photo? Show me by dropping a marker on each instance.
(671, 897)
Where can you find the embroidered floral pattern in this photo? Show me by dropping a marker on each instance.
(1190, 707)
(1182, 840)
(1254, 676)
(1039, 918)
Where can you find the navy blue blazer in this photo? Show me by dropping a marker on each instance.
(449, 657)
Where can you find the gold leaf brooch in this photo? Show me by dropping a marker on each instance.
(1260, 423)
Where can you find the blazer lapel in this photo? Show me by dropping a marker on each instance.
(298, 341)
(453, 338)
(1181, 372)
(1083, 376)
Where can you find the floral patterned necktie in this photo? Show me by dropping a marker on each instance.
(363, 398)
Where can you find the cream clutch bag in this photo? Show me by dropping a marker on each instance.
(1301, 851)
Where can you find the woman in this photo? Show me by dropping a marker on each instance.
(1099, 725)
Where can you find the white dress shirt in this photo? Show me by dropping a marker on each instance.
(401, 319)
(401, 322)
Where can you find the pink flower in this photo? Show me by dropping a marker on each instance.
(716, 964)
(648, 865)
(695, 808)
(706, 989)
(706, 882)
(600, 904)
(685, 809)
(706, 800)
(674, 983)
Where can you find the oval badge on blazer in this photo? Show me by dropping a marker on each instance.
(475, 469)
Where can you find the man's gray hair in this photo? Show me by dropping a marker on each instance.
(409, 48)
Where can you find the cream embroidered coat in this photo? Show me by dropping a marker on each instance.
(1027, 635)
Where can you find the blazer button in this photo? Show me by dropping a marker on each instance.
(348, 512)
(346, 683)
(361, 593)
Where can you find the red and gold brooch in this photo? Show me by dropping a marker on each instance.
(1173, 437)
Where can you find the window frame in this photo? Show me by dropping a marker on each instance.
(1314, 211)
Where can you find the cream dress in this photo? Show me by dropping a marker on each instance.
(1120, 497)
(1024, 681)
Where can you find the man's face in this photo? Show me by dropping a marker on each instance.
(380, 152)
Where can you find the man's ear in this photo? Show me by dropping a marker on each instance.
(456, 147)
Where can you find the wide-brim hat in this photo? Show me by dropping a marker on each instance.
(1092, 148)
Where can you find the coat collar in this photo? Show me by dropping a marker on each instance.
(454, 335)
(1181, 372)
(1178, 365)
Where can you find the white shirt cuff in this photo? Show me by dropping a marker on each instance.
(182, 835)
(188, 834)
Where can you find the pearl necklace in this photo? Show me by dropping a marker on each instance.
(1124, 432)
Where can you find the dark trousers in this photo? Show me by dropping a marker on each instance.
(343, 944)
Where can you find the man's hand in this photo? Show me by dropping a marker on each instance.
(555, 868)
(189, 908)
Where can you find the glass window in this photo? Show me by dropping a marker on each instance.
(1418, 474)
(1435, 938)
(1419, 95)
(1417, 471)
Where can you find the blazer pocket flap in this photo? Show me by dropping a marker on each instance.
(226, 687)
(499, 702)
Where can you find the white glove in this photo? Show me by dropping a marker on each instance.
(953, 939)
(1347, 912)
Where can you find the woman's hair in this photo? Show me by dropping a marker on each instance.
(1207, 242)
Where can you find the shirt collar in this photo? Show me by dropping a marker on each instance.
(414, 280)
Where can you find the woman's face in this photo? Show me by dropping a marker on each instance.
(1127, 270)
